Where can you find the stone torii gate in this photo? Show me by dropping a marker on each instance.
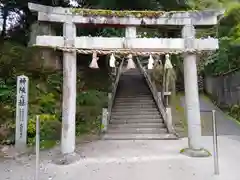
(71, 44)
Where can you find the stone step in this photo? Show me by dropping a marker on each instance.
(138, 116)
(140, 103)
(133, 110)
(136, 99)
(127, 81)
(132, 76)
(135, 102)
(130, 121)
(135, 79)
(133, 87)
(137, 130)
(133, 95)
(132, 73)
(131, 113)
(141, 90)
(137, 125)
(139, 137)
(135, 115)
(135, 106)
(134, 92)
(139, 96)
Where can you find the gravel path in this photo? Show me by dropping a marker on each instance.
(138, 160)
(131, 160)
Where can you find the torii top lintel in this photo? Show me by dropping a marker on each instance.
(127, 18)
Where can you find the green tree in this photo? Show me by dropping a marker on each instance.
(227, 57)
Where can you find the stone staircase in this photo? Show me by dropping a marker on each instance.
(135, 114)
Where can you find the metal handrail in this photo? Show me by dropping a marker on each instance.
(215, 139)
(156, 97)
(113, 93)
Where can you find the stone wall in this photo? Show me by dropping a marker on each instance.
(225, 89)
(180, 83)
(47, 58)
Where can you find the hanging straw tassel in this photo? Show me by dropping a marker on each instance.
(112, 61)
(94, 64)
(150, 62)
(159, 61)
(130, 64)
(168, 64)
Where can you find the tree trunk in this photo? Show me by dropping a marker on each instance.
(4, 25)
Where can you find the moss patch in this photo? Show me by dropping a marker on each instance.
(179, 119)
(195, 153)
(113, 13)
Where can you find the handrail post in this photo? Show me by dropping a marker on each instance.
(37, 141)
(104, 120)
(111, 97)
(157, 99)
(215, 144)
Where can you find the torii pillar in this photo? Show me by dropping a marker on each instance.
(69, 90)
(192, 96)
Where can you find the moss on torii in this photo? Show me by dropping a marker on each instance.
(115, 13)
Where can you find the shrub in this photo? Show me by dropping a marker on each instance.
(235, 111)
(45, 93)
(50, 130)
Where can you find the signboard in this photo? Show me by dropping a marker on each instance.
(21, 112)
